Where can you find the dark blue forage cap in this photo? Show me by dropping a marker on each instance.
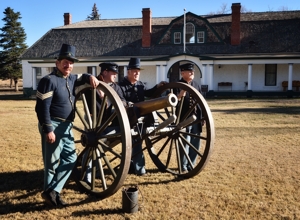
(109, 66)
(186, 66)
(67, 52)
(134, 63)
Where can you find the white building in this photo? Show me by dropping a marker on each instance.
(245, 54)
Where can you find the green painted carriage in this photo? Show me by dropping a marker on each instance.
(108, 139)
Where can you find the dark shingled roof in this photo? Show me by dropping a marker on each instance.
(261, 33)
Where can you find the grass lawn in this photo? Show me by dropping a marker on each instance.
(253, 172)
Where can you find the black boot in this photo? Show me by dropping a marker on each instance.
(59, 201)
(50, 197)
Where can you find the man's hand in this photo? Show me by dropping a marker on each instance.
(161, 84)
(181, 94)
(100, 93)
(94, 81)
(51, 137)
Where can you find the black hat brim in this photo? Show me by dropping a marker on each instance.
(74, 59)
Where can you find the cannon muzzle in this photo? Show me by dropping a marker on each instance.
(151, 105)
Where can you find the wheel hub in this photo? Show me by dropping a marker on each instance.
(89, 139)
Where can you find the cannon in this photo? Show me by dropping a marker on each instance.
(107, 133)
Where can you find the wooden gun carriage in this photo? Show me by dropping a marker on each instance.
(107, 139)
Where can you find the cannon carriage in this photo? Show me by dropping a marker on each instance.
(109, 132)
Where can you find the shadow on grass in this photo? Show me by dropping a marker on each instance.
(26, 185)
(21, 180)
(29, 184)
(17, 96)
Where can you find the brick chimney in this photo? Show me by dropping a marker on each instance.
(67, 18)
(147, 27)
(235, 24)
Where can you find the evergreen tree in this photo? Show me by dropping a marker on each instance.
(12, 45)
(94, 15)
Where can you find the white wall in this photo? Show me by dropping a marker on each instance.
(27, 74)
(148, 76)
(238, 75)
(235, 73)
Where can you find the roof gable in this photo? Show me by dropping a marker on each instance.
(199, 22)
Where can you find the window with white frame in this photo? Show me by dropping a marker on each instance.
(177, 38)
(190, 33)
(200, 37)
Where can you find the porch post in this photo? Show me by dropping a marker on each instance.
(34, 86)
(290, 80)
(157, 80)
(204, 75)
(164, 73)
(249, 77)
(211, 77)
(94, 71)
(125, 71)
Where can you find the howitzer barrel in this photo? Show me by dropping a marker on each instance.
(151, 105)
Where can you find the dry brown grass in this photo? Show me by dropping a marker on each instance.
(253, 172)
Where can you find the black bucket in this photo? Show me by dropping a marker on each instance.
(130, 200)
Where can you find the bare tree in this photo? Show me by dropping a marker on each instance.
(244, 9)
(224, 9)
(283, 8)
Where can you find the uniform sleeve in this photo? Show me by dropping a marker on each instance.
(82, 79)
(150, 92)
(199, 88)
(44, 96)
(120, 94)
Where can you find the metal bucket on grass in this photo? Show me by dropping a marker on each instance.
(130, 200)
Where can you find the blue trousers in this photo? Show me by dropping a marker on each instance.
(138, 161)
(59, 158)
(194, 129)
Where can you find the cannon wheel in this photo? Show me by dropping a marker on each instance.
(106, 140)
(166, 147)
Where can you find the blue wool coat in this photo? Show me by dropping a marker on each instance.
(55, 97)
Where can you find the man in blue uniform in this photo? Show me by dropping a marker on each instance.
(55, 112)
(135, 91)
(108, 74)
(187, 74)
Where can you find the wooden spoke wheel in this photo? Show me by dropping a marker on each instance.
(168, 146)
(104, 139)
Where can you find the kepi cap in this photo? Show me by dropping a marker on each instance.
(186, 66)
(109, 66)
(67, 52)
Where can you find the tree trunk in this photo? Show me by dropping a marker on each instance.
(16, 85)
(11, 83)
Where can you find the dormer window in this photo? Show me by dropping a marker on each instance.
(177, 38)
(190, 33)
(193, 35)
(200, 37)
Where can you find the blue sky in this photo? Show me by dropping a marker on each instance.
(38, 16)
